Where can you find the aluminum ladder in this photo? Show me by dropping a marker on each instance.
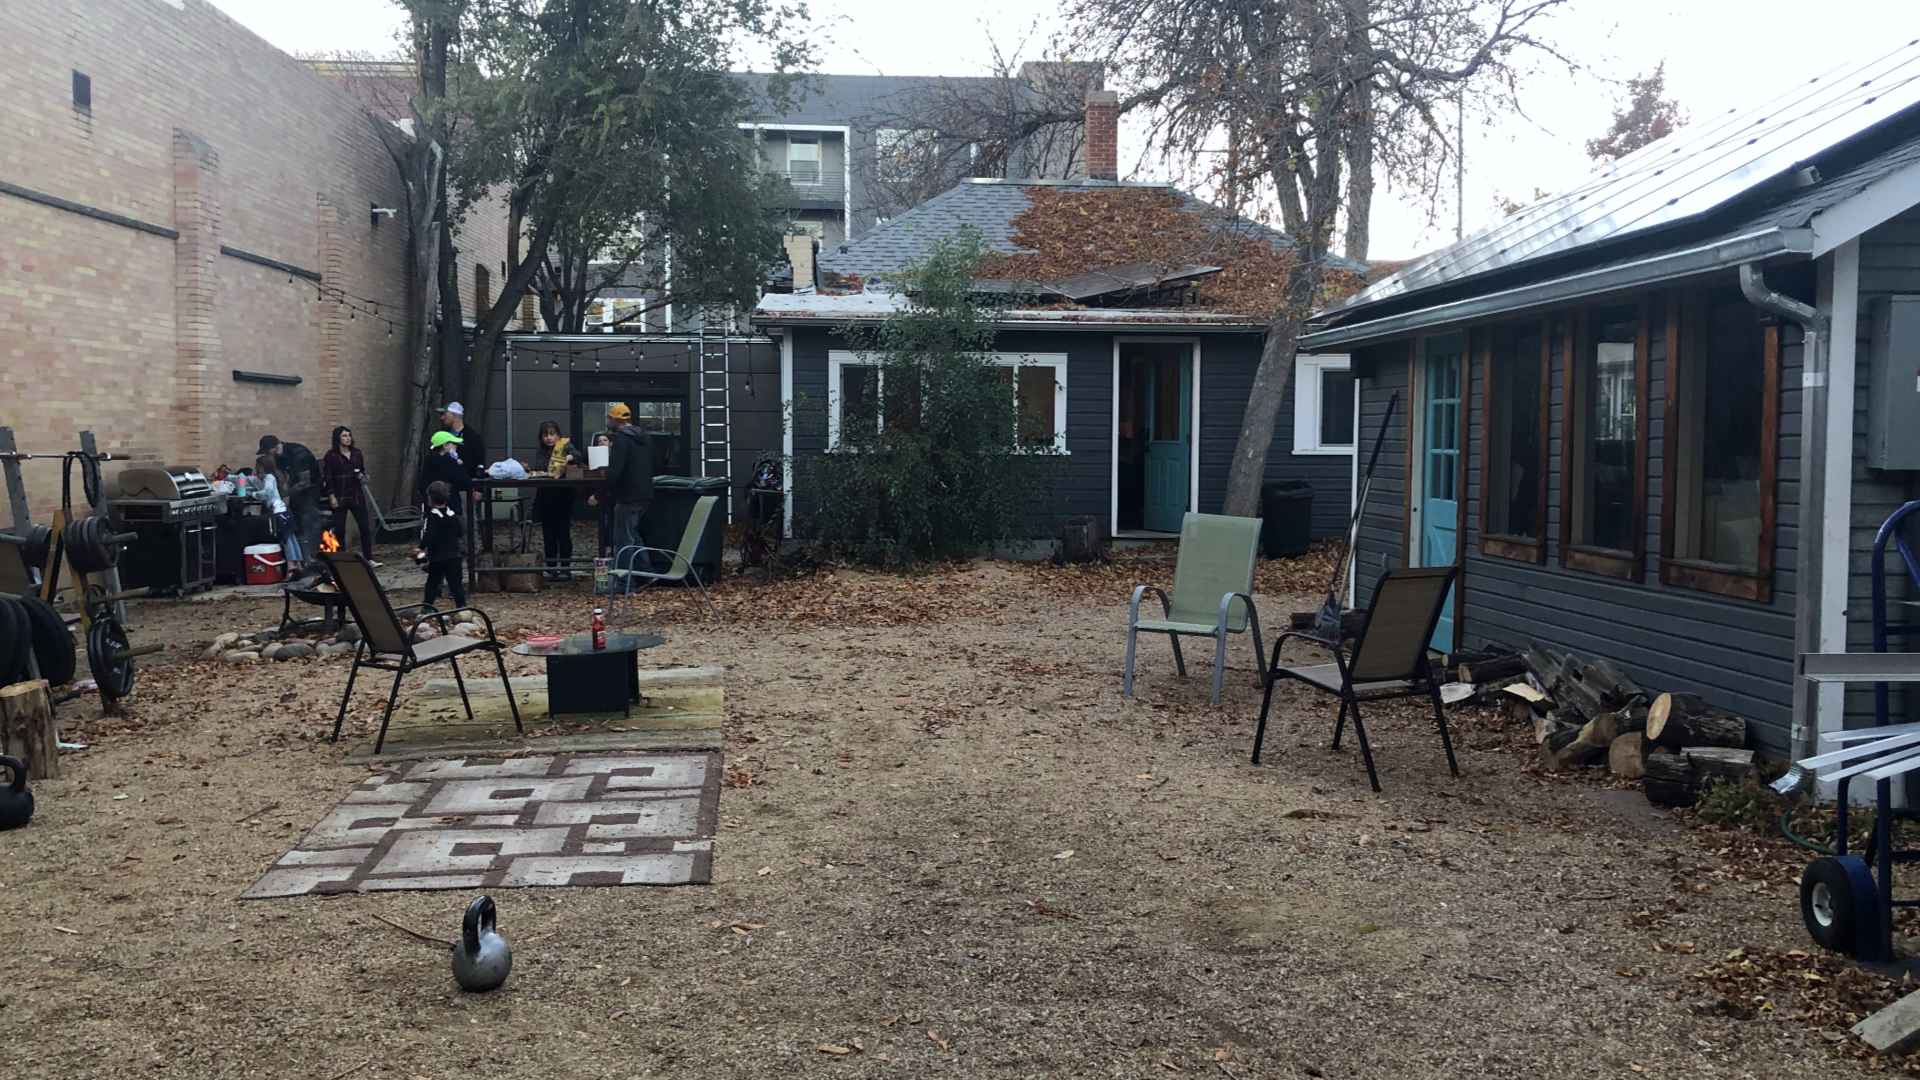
(716, 396)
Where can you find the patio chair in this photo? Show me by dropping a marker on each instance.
(1388, 659)
(679, 569)
(386, 641)
(1212, 594)
(388, 524)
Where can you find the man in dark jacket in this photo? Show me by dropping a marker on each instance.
(303, 488)
(629, 475)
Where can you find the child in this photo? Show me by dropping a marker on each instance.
(600, 500)
(440, 546)
(267, 472)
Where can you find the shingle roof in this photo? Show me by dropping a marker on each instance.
(990, 206)
(850, 99)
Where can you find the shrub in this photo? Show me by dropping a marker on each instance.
(930, 463)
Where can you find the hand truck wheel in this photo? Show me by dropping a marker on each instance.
(1839, 903)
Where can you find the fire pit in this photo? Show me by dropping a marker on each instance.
(320, 590)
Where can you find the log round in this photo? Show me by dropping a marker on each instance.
(1678, 720)
(27, 730)
(1670, 780)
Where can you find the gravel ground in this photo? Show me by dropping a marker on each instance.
(948, 847)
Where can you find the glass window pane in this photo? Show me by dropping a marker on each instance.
(859, 399)
(1722, 401)
(1612, 429)
(1336, 408)
(1513, 434)
(1037, 388)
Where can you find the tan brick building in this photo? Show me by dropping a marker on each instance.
(178, 204)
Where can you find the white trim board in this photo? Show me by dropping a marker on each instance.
(1874, 205)
(786, 434)
(1308, 369)
(838, 360)
(1113, 426)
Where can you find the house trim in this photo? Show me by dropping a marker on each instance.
(846, 151)
(1836, 509)
(1874, 205)
(1308, 404)
(786, 434)
(1113, 428)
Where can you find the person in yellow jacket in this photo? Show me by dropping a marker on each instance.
(554, 506)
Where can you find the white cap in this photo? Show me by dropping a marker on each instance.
(455, 408)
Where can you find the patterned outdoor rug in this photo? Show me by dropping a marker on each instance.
(557, 819)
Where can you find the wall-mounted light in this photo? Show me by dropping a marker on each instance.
(376, 212)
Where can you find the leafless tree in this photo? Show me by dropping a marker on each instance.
(1293, 88)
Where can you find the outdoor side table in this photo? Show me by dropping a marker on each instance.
(583, 679)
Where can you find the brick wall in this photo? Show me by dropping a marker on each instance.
(199, 127)
(1103, 135)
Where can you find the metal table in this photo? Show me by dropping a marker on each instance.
(582, 679)
(476, 528)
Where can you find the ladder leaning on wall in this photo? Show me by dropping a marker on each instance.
(716, 395)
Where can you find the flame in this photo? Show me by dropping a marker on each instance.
(329, 543)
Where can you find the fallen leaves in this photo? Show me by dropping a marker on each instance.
(1041, 907)
(838, 1050)
(1067, 854)
(934, 1037)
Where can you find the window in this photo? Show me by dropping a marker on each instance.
(1513, 454)
(803, 159)
(482, 290)
(1604, 494)
(83, 92)
(1323, 401)
(900, 155)
(1722, 431)
(857, 395)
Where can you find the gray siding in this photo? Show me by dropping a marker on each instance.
(1084, 485)
(1381, 547)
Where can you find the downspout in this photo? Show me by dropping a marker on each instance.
(1813, 458)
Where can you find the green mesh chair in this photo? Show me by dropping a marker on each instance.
(1212, 594)
(631, 564)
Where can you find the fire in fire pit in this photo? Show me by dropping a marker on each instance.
(329, 543)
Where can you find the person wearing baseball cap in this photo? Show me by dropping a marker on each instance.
(443, 463)
(471, 451)
(629, 475)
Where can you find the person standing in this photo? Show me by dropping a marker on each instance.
(267, 475)
(443, 464)
(473, 452)
(598, 497)
(629, 476)
(554, 505)
(343, 476)
(300, 487)
(440, 546)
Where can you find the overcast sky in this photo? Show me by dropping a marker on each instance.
(1720, 54)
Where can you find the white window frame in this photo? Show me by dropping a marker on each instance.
(838, 360)
(1308, 372)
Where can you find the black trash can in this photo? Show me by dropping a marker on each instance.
(1286, 518)
(666, 520)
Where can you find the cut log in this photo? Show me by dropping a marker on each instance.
(1612, 683)
(1670, 780)
(1584, 745)
(1633, 717)
(1547, 725)
(1682, 720)
(1627, 757)
(1720, 763)
(26, 728)
(1491, 670)
(1573, 692)
(1543, 664)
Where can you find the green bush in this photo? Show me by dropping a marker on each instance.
(930, 464)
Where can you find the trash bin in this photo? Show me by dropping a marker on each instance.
(666, 520)
(1286, 518)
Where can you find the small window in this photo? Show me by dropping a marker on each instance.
(1039, 384)
(83, 92)
(1722, 434)
(803, 159)
(1323, 402)
(482, 291)
(1514, 452)
(1603, 524)
(858, 394)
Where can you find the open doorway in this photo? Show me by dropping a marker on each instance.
(1155, 397)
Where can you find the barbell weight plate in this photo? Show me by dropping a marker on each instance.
(105, 640)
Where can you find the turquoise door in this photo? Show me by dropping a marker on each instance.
(1169, 409)
(1440, 494)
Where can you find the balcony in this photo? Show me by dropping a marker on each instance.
(811, 186)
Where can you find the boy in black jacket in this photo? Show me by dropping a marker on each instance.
(440, 546)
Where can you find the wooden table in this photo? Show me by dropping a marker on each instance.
(485, 486)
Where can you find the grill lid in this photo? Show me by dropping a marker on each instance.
(169, 484)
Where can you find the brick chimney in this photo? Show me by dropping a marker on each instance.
(800, 252)
(1103, 135)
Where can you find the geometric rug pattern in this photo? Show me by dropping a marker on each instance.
(478, 823)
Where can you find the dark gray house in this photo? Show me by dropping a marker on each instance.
(1658, 418)
(1139, 382)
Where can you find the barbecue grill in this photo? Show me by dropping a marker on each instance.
(172, 510)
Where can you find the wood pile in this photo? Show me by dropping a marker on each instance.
(1589, 713)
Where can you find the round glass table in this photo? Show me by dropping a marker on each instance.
(582, 679)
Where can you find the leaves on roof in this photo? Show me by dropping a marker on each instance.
(1069, 231)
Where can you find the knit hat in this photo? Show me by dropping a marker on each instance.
(442, 438)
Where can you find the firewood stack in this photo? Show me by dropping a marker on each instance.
(1590, 713)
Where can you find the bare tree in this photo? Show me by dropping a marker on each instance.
(1278, 82)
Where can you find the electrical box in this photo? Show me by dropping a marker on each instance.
(1893, 401)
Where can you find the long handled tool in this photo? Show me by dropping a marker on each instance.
(1326, 623)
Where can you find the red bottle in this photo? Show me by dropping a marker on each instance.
(599, 629)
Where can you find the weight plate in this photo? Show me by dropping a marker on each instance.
(104, 639)
(52, 644)
(16, 637)
(39, 537)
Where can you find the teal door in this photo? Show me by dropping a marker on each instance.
(1169, 410)
(1440, 480)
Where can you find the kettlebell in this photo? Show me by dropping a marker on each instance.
(481, 958)
(16, 802)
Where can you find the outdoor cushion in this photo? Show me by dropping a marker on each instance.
(444, 646)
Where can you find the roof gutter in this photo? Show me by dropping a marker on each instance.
(1811, 558)
(1667, 266)
(1250, 326)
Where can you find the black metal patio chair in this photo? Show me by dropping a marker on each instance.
(1388, 659)
(387, 644)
